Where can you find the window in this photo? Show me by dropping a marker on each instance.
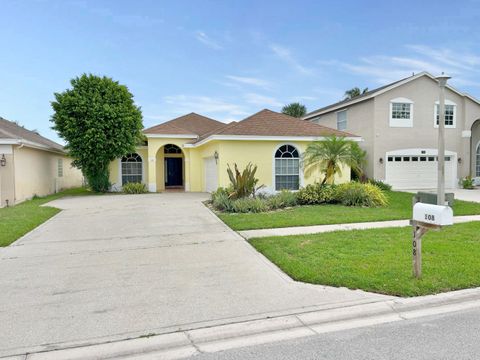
(450, 114)
(131, 169)
(171, 149)
(477, 163)
(60, 168)
(401, 112)
(287, 168)
(342, 120)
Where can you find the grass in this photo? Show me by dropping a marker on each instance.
(400, 207)
(380, 260)
(16, 221)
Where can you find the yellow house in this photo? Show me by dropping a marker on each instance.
(32, 165)
(191, 153)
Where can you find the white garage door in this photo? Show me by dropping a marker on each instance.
(211, 174)
(418, 171)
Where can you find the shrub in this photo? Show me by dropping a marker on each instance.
(317, 193)
(357, 194)
(244, 184)
(467, 183)
(380, 184)
(221, 200)
(134, 188)
(283, 199)
(246, 205)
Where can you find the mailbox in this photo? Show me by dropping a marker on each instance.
(433, 214)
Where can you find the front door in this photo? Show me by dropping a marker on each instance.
(173, 171)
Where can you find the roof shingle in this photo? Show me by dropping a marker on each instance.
(10, 130)
(192, 123)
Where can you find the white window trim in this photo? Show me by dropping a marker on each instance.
(475, 167)
(435, 113)
(401, 122)
(346, 119)
(60, 167)
(120, 179)
(300, 169)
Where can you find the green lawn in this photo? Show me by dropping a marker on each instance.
(16, 221)
(380, 260)
(400, 207)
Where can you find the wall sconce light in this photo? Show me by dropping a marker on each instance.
(459, 160)
(380, 160)
(215, 155)
(3, 160)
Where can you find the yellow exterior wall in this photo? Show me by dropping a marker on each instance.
(7, 177)
(260, 153)
(36, 173)
(114, 168)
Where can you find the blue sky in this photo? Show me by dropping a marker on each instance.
(228, 59)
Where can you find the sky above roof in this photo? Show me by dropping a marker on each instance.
(228, 59)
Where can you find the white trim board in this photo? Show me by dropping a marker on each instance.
(264, 138)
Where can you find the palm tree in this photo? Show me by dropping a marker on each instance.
(329, 155)
(359, 160)
(354, 92)
(295, 109)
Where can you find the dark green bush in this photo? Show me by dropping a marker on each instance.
(380, 184)
(317, 193)
(467, 183)
(221, 200)
(134, 188)
(281, 200)
(357, 194)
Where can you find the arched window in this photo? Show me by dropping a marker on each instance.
(171, 149)
(477, 163)
(287, 168)
(132, 169)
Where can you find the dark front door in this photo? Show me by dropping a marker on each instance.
(174, 172)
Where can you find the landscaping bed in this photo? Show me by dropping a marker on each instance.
(399, 207)
(380, 260)
(17, 220)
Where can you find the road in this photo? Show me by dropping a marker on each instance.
(451, 336)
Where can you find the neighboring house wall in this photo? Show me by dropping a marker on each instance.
(423, 92)
(359, 122)
(116, 174)
(36, 173)
(371, 119)
(7, 178)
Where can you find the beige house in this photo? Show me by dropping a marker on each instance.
(399, 126)
(32, 165)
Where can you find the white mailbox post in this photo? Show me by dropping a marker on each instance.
(426, 217)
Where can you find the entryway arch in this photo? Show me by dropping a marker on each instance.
(170, 167)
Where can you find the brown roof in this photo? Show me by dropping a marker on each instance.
(271, 123)
(192, 123)
(10, 130)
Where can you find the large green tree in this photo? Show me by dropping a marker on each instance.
(354, 92)
(100, 122)
(330, 154)
(295, 109)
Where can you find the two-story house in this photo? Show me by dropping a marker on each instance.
(399, 126)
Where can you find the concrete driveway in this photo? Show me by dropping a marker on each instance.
(114, 267)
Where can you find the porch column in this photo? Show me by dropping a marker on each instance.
(152, 170)
(186, 158)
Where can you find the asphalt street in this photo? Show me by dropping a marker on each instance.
(450, 336)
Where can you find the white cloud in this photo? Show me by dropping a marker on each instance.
(287, 56)
(383, 69)
(262, 100)
(207, 40)
(183, 104)
(250, 81)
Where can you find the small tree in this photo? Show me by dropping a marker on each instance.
(99, 121)
(329, 155)
(295, 109)
(354, 92)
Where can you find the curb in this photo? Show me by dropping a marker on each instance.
(184, 344)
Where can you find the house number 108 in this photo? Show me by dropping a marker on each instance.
(429, 217)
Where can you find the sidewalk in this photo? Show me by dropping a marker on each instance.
(184, 344)
(302, 230)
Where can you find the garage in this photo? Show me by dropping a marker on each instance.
(211, 174)
(417, 169)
